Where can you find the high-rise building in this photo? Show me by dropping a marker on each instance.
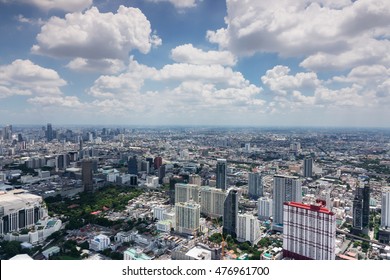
(172, 182)
(308, 167)
(62, 161)
(309, 232)
(86, 175)
(195, 179)
(157, 162)
(132, 165)
(49, 132)
(7, 132)
(286, 189)
(187, 217)
(161, 173)
(221, 174)
(248, 228)
(255, 185)
(230, 212)
(385, 211)
(264, 208)
(361, 208)
(212, 201)
(186, 192)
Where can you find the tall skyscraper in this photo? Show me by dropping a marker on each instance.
(361, 208)
(255, 185)
(7, 132)
(187, 217)
(161, 173)
(132, 165)
(212, 201)
(186, 192)
(309, 232)
(286, 189)
(230, 212)
(308, 167)
(385, 212)
(86, 175)
(221, 174)
(248, 228)
(49, 132)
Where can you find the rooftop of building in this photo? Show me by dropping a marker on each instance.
(137, 254)
(312, 207)
(16, 199)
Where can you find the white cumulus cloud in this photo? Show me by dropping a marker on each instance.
(91, 36)
(189, 54)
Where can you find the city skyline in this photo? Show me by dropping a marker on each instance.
(221, 63)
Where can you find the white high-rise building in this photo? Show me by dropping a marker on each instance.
(286, 189)
(309, 232)
(221, 174)
(187, 217)
(99, 243)
(255, 185)
(212, 200)
(186, 192)
(248, 228)
(385, 214)
(264, 208)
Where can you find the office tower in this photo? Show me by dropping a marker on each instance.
(264, 208)
(186, 192)
(361, 208)
(157, 162)
(187, 217)
(308, 167)
(145, 166)
(309, 231)
(161, 173)
(7, 132)
(221, 174)
(385, 213)
(132, 165)
(49, 132)
(212, 201)
(195, 179)
(151, 163)
(255, 185)
(86, 175)
(248, 228)
(286, 188)
(230, 212)
(172, 182)
(62, 161)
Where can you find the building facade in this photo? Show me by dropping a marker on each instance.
(308, 167)
(264, 208)
(212, 201)
(186, 192)
(255, 185)
(309, 232)
(221, 174)
(187, 217)
(286, 189)
(230, 212)
(248, 228)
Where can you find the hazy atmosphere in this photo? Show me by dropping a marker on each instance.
(191, 62)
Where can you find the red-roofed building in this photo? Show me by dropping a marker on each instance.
(309, 231)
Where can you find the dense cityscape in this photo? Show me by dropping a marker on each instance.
(194, 193)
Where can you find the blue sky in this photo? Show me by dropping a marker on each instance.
(192, 62)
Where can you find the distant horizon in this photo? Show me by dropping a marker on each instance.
(54, 125)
